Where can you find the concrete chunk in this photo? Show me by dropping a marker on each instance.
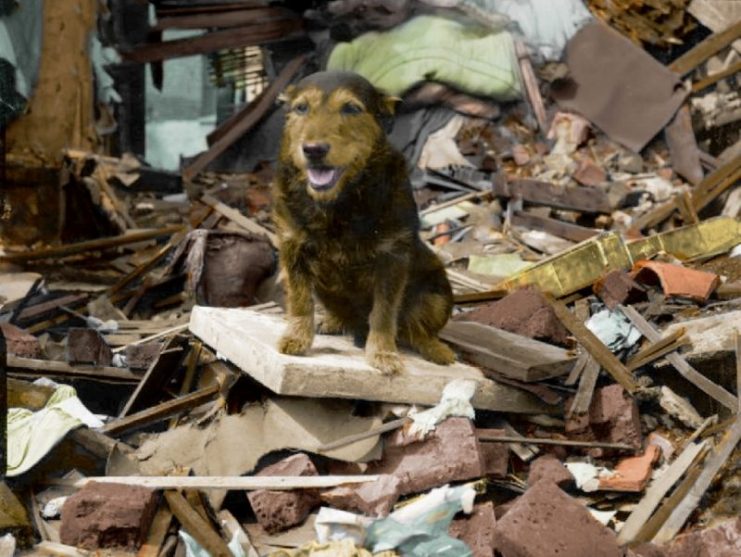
(477, 530)
(103, 515)
(280, 510)
(87, 346)
(546, 522)
(451, 453)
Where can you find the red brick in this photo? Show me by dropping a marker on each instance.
(477, 530)
(495, 455)
(450, 453)
(87, 346)
(372, 498)
(613, 417)
(103, 515)
(549, 468)
(280, 510)
(546, 522)
(20, 342)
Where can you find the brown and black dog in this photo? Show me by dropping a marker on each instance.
(348, 227)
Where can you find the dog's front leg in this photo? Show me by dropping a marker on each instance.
(390, 278)
(300, 332)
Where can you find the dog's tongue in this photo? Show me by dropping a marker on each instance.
(321, 177)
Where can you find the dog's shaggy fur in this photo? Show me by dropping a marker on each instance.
(348, 227)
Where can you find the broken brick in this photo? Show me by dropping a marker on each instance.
(589, 174)
(546, 522)
(549, 468)
(618, 287)
(371, 498)
(450, 453)
(20, 342)
(280, 510)
(87, 346)
(632, 474)
(495, 455)
(141, 356)
(524, 312)
(613, 418)
(103, 515)
(477, 530)
(722, 540)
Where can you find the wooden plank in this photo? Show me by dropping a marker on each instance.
(234, 528)
(634, 364)
(35, 310)
(52, 367)
(239, 219)
(202, 531)
(587, 383)
(712, 465)
(233, 18)
(157, 533)
(237, 37)
(656, 492)
(252, 115)
(559, 228)
(336, 368)
(512, 355)
(680, 364)
(654, 350)
(488, 438)
(90, 245)
(160, 412)
(532, 86)
(717, 76)
(704, 50)
(716, 183)
(594, 346)
(588, 200)
(237, 483)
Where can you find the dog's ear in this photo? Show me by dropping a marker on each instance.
(387, 105)
(288, 94)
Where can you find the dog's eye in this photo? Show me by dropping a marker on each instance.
(301, 108)
(351, 108)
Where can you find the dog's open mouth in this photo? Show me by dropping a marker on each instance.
(323, 178)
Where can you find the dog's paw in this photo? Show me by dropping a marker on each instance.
(388, 363)
(329, 325)
(438, 352)
(293, 344)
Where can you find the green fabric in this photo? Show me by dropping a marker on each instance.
(31, 435)
(429, 48)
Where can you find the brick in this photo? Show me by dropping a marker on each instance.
(632, 474)
(371, 499)
(618, 287)
(723, 540)
(20, 342)
(501, 510)
(477, 530)
(613, 417)
(546, 522)
(448, 454)
(589, 174)
(549, 468)
(141, 356)
(87, 346)
(495, 455)
(280, 510)
(107, 515)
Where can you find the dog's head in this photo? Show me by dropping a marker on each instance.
(334, 121)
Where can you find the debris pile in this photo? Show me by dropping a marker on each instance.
(581, 188)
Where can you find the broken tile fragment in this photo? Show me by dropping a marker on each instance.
(141, 356)
(87, 346)
(548, 468)
(546, 522)
(618, 287)
(371, 498)
(280, 510)
(20, 342)
(524, 312)
(450, 453)
(633, 473)
(676, 280)
(477, 530)
(104, 515)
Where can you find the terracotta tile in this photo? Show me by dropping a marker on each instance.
(632, 474)
(677, 280)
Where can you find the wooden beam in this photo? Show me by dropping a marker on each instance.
(488, 438)
(239, 483)
(680, 364)
(238, 218)
(234, 528)
(202, 531)
(654, 350)
(704, 50)
(712, 78)
(594, 346)
(53, 367)
(252, 114)
(559, 228)
(585, 392)
(237, 37)
(160, 412)
(157, 533)
(716, 183)
(90, 245)
(233, 18)
(578, 198)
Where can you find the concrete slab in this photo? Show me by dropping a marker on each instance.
(335, 368)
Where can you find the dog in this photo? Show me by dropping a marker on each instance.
(348, 227)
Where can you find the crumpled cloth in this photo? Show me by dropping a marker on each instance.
(428, 48)
(31, 435)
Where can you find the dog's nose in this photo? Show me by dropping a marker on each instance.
(315, 150)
